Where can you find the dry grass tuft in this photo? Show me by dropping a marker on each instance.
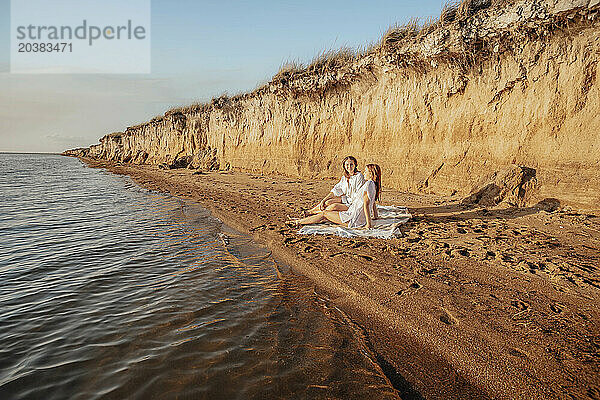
(400, 33)
(367, 48)
(290, 67)
(468, 8)
(332, 59)
(220, 102)
(449, 13)
(428, 26)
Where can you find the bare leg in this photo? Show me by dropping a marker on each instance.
(333, 216)
(333, 200)
(314, 210)
(312, 219)
(337, 207)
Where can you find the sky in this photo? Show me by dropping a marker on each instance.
(199, 50)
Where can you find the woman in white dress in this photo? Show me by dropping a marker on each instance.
(362, 210)
(340, 197)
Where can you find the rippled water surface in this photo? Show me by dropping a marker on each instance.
(108, 290)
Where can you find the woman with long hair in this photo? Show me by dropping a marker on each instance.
(340, 197)
(362, 210)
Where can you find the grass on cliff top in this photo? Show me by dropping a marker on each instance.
(396, 35)
(333, 61)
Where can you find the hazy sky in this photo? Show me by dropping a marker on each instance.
(200, 49)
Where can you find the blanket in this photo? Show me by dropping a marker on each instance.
(387, 226)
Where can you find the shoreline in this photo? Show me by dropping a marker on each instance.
(451, 309)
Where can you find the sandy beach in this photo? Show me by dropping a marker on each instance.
(481, 118)
(469, 303)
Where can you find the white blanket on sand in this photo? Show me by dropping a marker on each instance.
(387, 226)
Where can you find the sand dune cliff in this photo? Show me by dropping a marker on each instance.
(497, 101)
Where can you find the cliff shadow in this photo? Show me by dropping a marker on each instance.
(470, 212)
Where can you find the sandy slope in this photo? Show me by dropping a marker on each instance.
(470, 303)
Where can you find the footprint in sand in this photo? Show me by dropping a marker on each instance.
(357, 245)
(292, 240)
(369, 276)
(364, 257)
(447, 317)
(518, 353)
(426, 271)
(415, 285)
(461, 252)
(519, 305)
(557, 308)
(412, 238)
(412, 288)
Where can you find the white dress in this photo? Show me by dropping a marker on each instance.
(355, 216)
(346, 188)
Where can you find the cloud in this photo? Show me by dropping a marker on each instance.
(57, 138)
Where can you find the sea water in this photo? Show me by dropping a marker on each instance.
(108, 290)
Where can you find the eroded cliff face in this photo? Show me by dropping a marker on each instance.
(506, 100)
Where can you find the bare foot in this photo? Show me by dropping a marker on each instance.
(292, 223)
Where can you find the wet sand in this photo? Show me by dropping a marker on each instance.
(469, 303)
